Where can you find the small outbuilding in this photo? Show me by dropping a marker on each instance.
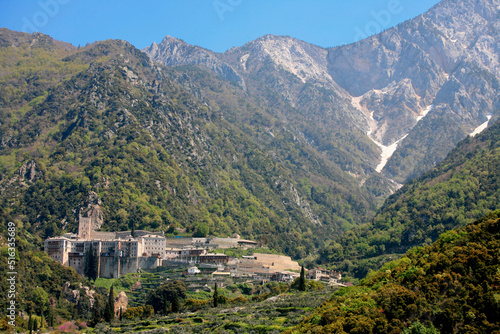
(193, 271)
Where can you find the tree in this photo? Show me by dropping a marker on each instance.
(418, 328)
(216, 296)
(176, 303)
(302, 280)
(123, 216)
(162, 297)
(50, 313)
(96, 313)
(40, 300)
(91, 265)
(202, 230)
(34, 323)
(51, 318)
(84, 307)
(109, 311)
(30, 324)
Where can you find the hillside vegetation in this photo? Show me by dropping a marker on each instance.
(163, 149)
(452, 285)
(461, 189)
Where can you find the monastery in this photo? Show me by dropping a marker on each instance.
(119, 253)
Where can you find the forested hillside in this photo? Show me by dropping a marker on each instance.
(452, 286)
(162, 148)
(464, 187)
(278, 141)
(39, 281)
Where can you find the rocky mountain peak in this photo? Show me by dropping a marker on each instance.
(398, 86)
(9, 38)
(175, 52)
(304, 60)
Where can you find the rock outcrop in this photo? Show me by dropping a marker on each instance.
(74, 295)
(92, 209)
(27, 172)
(121, 303)
(175, 52)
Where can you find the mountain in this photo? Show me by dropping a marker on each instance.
(268, 140)
(416, 89)
(451, 286)
(331, 125)
(161, 148)
(462, 188)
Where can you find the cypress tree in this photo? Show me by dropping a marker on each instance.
(91, 265)
(96, 313)
(216, 296)
(51, 318)
(30, 324)
(302, 280)
(165, 302)
(109, 312)
(176, 303)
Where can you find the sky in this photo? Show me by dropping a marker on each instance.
(213, 24)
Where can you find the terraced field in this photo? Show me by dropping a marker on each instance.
(273, 315)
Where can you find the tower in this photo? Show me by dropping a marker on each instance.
(84, 227)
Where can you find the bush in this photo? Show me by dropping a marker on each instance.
(245, 288)
(68, 327)
(141, 312)
(196, 304)
(222, 300)
(418, 328)
(238, 300)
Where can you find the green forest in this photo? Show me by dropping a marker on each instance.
(163, 148)
(182, 151)
(459, 190)
(451, 286)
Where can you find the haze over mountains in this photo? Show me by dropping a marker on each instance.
(425, 84)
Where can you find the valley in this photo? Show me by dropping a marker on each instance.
(276, 187)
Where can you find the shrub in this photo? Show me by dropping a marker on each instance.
(196, 304)
(68, 327)
(238, 300)
(221, 299)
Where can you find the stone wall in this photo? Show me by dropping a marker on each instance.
(113, 267)
(149, 262)
(276, 262)
(109, 267)
(103, 235)
(179, 242)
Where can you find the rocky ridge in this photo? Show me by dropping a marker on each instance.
(383, 86)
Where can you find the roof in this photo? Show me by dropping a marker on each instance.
(215, 254)
(248, 242)
(152, 236)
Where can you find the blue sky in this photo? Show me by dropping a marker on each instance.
(214, 24)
